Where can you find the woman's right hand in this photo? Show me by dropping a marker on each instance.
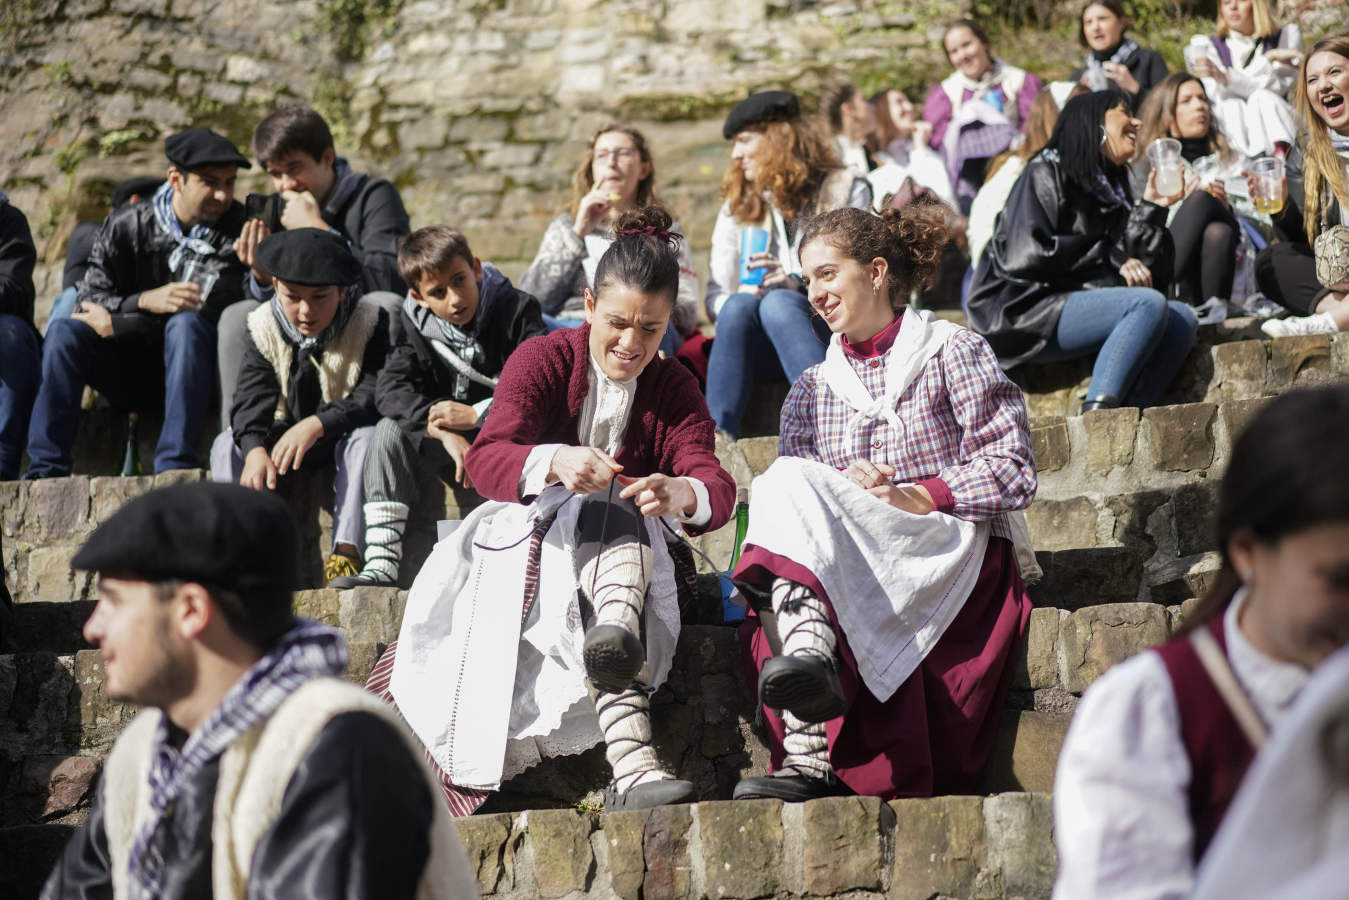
(583, 470)
(774, 275)
(594, 206)
(869, 474)
(1188, 182)
(1136, 274)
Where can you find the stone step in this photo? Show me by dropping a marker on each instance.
(996, 846)
(1235, 363)
(55, 715)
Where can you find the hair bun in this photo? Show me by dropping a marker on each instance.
(654, 221)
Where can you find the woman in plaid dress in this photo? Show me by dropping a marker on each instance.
(896, 589)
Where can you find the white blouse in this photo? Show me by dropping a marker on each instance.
(1121, 802)
(1260, 74)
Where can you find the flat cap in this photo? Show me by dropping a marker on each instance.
(220, 535)
(141, 186)
(310, 256)
(197, 147)
(765, 106)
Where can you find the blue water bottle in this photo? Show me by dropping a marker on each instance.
(753, 239)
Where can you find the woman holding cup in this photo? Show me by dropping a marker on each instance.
(1209, 239)
(615, 176)
(1248, 67)
(783, 170)
(1313, 277)
(1114, 60)
(1076, 268)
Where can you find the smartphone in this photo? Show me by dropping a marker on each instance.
(266, 208)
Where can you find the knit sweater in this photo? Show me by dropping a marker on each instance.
(539, 400)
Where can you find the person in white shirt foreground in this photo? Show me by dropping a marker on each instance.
(1161, 742)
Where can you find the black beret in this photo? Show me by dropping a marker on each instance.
(310, 256)
(197, 147)
(765, 106)
(142, 186)
(220, 535)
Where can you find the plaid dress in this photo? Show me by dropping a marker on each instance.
(963, 422)
(964, 436)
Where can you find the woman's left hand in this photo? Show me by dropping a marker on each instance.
(659, 495)
(1121, 75)
(912, 498)
(774, 276)
(1136, 274)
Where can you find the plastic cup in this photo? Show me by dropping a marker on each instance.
(1193, 53)
(202, 275)
(1268, 184)
(1164, 157)
(753, 239)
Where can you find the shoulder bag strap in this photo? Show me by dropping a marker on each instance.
(1224, 679)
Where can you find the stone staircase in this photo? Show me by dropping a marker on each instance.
(1123, 529)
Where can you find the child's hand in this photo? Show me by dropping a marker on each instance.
(453, 416)
(259, 470)
(246, 247)
(456, 445)
(289, 451)
(301, 211)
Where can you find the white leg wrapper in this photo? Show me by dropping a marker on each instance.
(807, 748)
(803, 622)
(616, 581)
(625, 719)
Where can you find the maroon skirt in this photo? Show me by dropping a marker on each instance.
(934, 735)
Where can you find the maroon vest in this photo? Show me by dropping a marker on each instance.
(1225, 52)
(1218, 749)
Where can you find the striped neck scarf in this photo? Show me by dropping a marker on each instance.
(194, 241)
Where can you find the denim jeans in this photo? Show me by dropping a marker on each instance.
(1139, 338)
(63, 306)
(20, 369)
(74, 355)
(759, 338)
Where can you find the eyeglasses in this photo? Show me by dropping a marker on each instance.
(617, 155)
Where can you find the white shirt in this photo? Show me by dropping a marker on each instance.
(603, 424)
(1260, 74)
(1121, 802)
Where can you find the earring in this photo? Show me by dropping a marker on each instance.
(1104, 137)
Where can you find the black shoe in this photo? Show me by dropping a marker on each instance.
(346, 582)
(790, 788)
(805, 686)
(645, 796)
(613, 657)
(1103, 402)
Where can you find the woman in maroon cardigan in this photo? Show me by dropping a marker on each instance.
(595, 452)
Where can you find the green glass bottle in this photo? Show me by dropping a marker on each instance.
(741, 524)
(131, 459)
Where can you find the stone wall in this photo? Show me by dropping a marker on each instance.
(477, 110)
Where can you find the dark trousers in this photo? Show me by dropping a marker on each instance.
(1286, 274)
(132, 373)
(20, 368)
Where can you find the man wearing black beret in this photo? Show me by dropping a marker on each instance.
(255, 769)
(158, 275)
(306, 390)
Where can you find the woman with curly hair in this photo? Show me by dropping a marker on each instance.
(783, 170)
(885, 531)
(615, 176)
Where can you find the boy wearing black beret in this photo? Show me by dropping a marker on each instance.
(255, 769)
(145, 327)
(306, 390)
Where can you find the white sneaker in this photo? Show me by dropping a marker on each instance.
(1320, 323)
(1211, 311)
(1259, 306)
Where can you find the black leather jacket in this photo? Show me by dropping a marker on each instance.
(131, 255)
(1051, 239)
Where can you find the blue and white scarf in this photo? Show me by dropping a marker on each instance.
(307, 651)
(194, 241)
